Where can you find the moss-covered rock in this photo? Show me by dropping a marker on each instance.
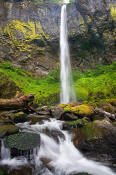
(7, 130)
(83, 110)
(23, 141)
(98, 137)
(18, 117)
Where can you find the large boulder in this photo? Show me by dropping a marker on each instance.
(23, 141)
(80, 110)
(19, 117)
(99, 136)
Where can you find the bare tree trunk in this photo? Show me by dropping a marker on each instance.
(16, 102)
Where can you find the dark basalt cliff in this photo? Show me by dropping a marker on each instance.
(29, 33)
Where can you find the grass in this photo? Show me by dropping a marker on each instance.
(92, 85)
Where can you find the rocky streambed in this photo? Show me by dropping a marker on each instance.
(24, 133)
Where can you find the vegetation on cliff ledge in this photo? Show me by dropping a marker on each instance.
(92, 85)
(45, 90)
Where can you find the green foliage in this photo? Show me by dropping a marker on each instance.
(77, 123)
(97, 84)
(92, 85)
(45, 90)
(53, 76)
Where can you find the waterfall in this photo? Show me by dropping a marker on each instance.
(57, 154)
(67, 90)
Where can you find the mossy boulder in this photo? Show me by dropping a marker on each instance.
(23, 141)
(19, 117)
(8, 88)
(82, 110)
(98, 136)
(7, 130)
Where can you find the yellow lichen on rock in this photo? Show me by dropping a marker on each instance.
(21, 34)
(80, 109)
(113, 12)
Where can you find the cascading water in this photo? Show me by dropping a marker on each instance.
(61, 155)
(67, 90)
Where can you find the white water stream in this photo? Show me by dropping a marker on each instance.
(67, 90)
(64, 158)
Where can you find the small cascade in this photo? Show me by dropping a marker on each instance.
(57, 154)
(67, 89)
(5, 152)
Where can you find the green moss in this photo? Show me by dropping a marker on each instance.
(97, 84)
(77, 123)
(80, 109)
(45, 90)
(8, 87)
(89, 131)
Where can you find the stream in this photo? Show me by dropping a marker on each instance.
(56, 154)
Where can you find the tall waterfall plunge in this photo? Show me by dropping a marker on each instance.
(67, 90)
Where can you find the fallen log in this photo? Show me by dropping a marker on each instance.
(106, 114)
(16, 102)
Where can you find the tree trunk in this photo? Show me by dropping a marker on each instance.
(16, 102)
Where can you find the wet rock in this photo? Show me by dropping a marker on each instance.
(44, 110)
(68, 116)
(23, 141)
(108, 107)
(57, 135)
(37, 119)
(57, 112)
(7, 130)
(19, 117)
(24, 170)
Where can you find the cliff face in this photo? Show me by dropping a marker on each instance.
(29, 33)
